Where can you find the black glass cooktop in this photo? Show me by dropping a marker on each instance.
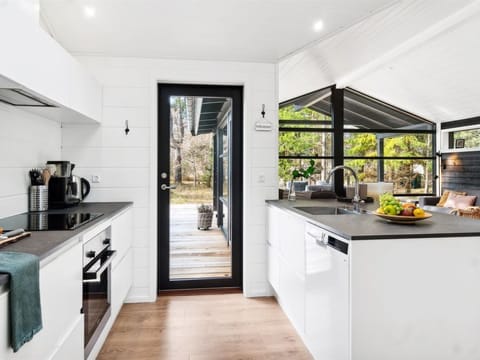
(47, 221)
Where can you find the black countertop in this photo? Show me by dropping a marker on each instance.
(371, 227)
(45, 243)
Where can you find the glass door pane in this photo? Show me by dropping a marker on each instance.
(199, 168)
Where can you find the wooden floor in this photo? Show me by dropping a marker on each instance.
(203, 326)
(196, 253)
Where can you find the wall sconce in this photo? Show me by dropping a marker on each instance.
(127, 130)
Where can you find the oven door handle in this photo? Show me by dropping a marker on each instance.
(95, 276)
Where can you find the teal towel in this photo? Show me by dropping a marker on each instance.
(24, 297)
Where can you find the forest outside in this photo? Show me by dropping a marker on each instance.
(406, 158)
(191, 158)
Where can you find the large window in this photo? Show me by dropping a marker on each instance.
(381, 142)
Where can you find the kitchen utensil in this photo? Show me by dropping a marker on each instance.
(38, 198)
(51, 169)
(36, 177)
(11, 233)
(14, 238)
(46, 176)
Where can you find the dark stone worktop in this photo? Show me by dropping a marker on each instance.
(45, 243)
(372, 227)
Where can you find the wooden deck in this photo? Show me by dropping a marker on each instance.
(196, 254)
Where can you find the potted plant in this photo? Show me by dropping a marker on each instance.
(300, 173)
(205, 216)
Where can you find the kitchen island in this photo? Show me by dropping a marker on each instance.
(357, 287)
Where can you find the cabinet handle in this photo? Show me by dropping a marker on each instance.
(95, 277)
(322, 243)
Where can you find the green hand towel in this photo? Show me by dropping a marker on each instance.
(24, 297)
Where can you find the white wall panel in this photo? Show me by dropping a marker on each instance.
(26, 141)
(130, 94)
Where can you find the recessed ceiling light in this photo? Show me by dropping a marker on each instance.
(318, 26)
(89, 11)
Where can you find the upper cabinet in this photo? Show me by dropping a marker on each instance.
(34, 62)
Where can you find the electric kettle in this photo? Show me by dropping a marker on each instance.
(79, 188)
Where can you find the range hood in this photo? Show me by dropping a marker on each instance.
(20, 97)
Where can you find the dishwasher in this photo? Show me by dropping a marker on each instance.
(327, 307)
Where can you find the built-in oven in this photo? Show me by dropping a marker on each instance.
(97, 258)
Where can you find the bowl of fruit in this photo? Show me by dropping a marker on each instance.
(392, 210)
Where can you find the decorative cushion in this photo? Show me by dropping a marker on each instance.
(445, 194)
(459, 201)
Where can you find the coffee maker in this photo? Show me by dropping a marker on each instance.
(64, 189)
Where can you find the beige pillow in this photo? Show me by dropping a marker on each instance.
(445, 194)
(460, 201)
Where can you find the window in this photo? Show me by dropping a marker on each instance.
(381, 142)
(465, 139)
(304, 134)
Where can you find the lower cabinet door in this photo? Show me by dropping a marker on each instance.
(61, 300)
(292, 296)
(273, 268)
(121, 282)
(72, 347)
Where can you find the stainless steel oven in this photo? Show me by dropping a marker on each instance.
(97, 257)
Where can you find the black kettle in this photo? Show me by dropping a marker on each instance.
(79, 188)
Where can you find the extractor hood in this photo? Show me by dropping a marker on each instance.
(20, 97)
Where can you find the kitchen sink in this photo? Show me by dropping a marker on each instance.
(328, 210)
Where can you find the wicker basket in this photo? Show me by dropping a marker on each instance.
(472, 212)
(204, 220)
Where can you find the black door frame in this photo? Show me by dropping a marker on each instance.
(163, 197)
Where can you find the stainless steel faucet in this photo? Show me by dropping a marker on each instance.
(356, 197)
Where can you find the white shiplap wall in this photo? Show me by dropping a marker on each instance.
(127, 164)
(26, 141)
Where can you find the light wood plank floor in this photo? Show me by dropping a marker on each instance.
(196, 253)
(192, 325)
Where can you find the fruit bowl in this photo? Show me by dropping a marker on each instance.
(399, 219)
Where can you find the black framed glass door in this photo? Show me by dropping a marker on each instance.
(199, 186)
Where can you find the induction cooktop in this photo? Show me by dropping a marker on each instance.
(39, 221)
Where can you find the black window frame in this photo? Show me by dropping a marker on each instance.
(338, 130)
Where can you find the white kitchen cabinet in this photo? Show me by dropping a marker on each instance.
(286, 263)
(387, 298)
(32, 60)
(273, 272)
(61, 299)
(122, 270)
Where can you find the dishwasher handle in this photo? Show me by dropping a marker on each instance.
(320, 241)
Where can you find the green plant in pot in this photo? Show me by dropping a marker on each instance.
(300, 173)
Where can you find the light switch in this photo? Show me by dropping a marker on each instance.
(96, 179)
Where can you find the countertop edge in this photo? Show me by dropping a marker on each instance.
(315, 221)
(52, 253)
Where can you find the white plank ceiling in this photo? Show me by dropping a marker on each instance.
(419, 55)
(233, 30)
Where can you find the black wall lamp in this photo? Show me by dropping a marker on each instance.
(127, 130)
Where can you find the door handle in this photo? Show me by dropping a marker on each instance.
(165, 187)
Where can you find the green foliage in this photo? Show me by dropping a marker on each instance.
(304, 173)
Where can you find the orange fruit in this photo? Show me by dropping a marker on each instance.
(418, 212)
(407, 205)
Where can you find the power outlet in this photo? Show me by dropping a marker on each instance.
(96, 179)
